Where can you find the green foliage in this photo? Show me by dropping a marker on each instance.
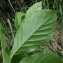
(34, 8)
(33, 31)
(6, 57)
(56, 5)
(19, 16)
(45, 57)
(10, 27)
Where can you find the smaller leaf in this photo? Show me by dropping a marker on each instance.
(19, 16)
(44, 57)
(34, 8)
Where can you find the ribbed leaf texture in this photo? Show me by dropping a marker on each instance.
(34, 8)
(34, 31)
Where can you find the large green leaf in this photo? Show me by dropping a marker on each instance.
(34, 31)
(34, 8)
(19, 16)
(44, 57)
(6, 57)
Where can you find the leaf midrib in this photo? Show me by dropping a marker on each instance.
(31, 34)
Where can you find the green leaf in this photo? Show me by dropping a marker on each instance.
(19, 16)
(34, 31)
(17, 58)
(44, 57)
(6, 57)
(34, 8)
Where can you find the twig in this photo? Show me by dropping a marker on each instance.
(11, 5)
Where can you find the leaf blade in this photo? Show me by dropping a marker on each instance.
(30, 27)
(45, 57)
(6, 57)
(19, 16)
(34, 8)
